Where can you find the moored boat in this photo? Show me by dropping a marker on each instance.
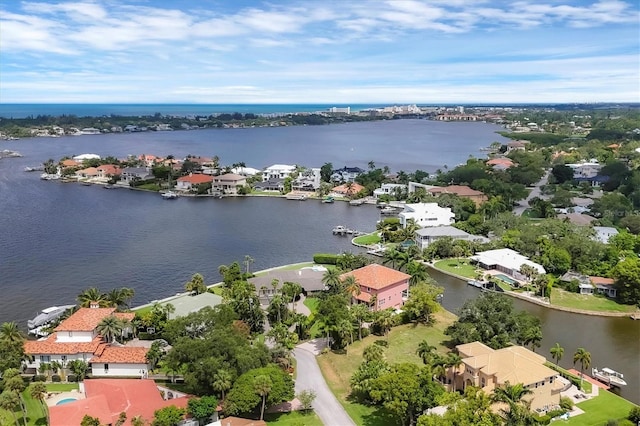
(328, 200)
(476, 283)
(47, 315)
(169, 195)
(609, 376)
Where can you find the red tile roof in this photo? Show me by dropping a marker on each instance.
(127, 316)
(85, 319)
(601, 281)
(91, 171)
(121, 355)
(237, 421)
(107, 398)
(51, 347)
(70, 163)
(109, 169)
(495, 161)
(377, 276)
(196, 179)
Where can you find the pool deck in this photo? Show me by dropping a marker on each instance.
(57, 397)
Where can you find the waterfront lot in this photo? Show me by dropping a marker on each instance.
(460, 267)
(403, 342)
(598, 411)
(588, 302)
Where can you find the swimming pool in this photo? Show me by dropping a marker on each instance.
(65, 401)
(506, 279)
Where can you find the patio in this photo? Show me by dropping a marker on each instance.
(55, 398)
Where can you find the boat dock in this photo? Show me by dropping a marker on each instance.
(589, 379)
(343, 230)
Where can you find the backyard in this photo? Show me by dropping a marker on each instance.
(588, 302)
(35, 413)
(294, 418)
(367, 240)
(460, 267)
(598, 411)
(403, 342)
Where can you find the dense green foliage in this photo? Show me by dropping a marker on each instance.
(243, 398)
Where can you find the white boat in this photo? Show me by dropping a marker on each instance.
(356, 203)
(476, 283)
(388, 210)
(298, 197)
(169, 195)
(340, 230)
(609, 376)
(47, 315)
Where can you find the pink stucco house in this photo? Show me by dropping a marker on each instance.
(380, 287)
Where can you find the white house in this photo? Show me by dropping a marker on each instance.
(507, 261)
(389, 189)
(346, 174)
(604, 233)
(585, 170)
(228, 183)
(428, 235)
(245, 171)
(277, 171)
(427, 214)
(77, 338)
(308, 180)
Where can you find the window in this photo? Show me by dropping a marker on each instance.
(45, 358)
(71, 334)
(482, 382)
(106, 368)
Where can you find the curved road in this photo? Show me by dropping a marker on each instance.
(309, 377)
(535, 192)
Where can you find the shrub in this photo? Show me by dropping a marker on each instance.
(326, 258)
(566, 403)
(72, 378)
(147, 336)
(634, 415)
(543, 420)
(39, 378)
(56, 378)
(382, 343)
(556, 413)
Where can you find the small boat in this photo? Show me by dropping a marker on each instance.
(169, 195)
(298, 197)
(609, 376)
(328, 200)
(476, 283)
(86, 183)
(109, 186)
(388, 211)
(340, 230)
(356, 202)
(47, 315)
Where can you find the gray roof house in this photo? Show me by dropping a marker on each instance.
(604, 233)
(309, 278)
(129, 174)
(427, 235)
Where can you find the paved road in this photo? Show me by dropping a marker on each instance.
(535, 192)
(309, 376)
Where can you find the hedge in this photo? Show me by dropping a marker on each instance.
(326, 258)
(56, 378)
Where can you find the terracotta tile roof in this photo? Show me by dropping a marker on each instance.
(343, 189)
(91, 171)
(107, 398)
(84, 319)
(601, 281)
(109, 169)
(121, 355)
(363, 296)
(377, 276)
(51, 347)
(237, 421)
(495, 161)
(70, 163)
(196, 179)
(128, 316)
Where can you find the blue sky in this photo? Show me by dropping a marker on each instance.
(320, 51)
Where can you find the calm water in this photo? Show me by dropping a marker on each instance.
(58, 239)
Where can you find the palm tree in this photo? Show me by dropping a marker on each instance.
(556, 353)
(403, 259)
(138, 421)
(248, 260)
(331, 278)
(120, 297)
(425, 351)
(291, 290)
(16, 384)
(92, 296)
(454, 361)
(584, 358)
(352, 287)
(10, 401)
(410, 229)
(513, 395)
(359, 312)
(10, 333)
(418, 272)
(391, 256)
(196, 285)
(110, 327)
(384, 320)
(262, 385)
(38, 390)
(222, 382)
(373, 302)
(79, 368)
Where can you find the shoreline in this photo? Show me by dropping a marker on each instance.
(540, 303)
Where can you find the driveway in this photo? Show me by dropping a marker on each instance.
(535, 192)
(326, 406)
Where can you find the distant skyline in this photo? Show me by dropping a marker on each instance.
(342, 52)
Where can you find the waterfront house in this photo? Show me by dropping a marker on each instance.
(277, 171)
(426, 214)
(500, 163)
(105, 399)
(604, 286)
(106, 171)
(89, 172)
(131, 174)
(77, 338)
(310, 279)
(270, 185)
(346, 190)
(346, 174)
(307, 180)
(187, 183)
(488, 368)
(505, 260)
(517, 146)
(461, 191)
(389, 189)
(245, 171)
(69, 163)
(427, 235)
(380, 287)
(228, 183)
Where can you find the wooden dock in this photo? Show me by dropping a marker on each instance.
(590, 379)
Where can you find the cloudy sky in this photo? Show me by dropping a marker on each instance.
(319, 51)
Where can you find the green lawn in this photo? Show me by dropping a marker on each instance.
(588, 302)
(61, 387)
(35, 415)
(216, 290)
(312, 304)
(458, 266)
(367, 239)
(403, 342)
(292, 419)
(597, 411)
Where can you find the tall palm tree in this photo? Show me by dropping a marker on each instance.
(92, 296)
(384, 320)
(513, 395)
(454, 361)
(425, 351)
(196, 285)
(10, 401)
(16, 384)
(10, 333)
(391, 256)
(110, 327)
(556, 353)
(291, 290)
(248, 260)
(359, 313)
(120, 297)
(222, 382)
(410, 229)
(403, 260)
(418, 272)
(584, 358)
(352, 287)
(38, 390)
(262, 385)
(331, 278)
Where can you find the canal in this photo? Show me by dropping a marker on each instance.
(612, 342)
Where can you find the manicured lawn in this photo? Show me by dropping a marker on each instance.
(403, 342)
(312, 304)
(35, 415)
(458, 267)
(292, 419)
(597, 411)
(589, 302)
(293, 267)
(216, 290)
(150, 187)
(61, 387)
(367, 239)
